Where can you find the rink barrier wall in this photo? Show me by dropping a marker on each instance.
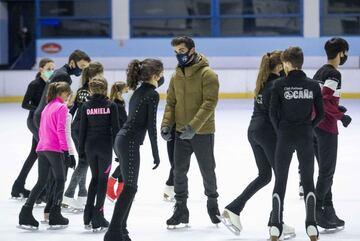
(234, 83)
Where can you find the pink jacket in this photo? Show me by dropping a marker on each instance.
(52, 132)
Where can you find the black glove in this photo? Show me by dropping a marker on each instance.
(82, 155)
(166, 133)
(187, 133)
(342, 109)
(72, 162)
(116, 159)
(346, 120)
(66, 158)
(156, 162)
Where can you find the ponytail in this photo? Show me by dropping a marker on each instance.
(90, 72)
(143, 71)
(56, 89)
(268, 63)
(117, 87)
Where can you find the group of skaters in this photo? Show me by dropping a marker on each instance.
(291, 113)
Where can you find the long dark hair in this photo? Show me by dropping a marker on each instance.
(42, 64)
(142, 71)
(118, 86)
(268, 63)
(92, 70)
(56, 89)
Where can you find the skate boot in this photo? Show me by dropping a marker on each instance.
(98, 222)
(213, 211)
(231, 221)
(18, 191)
(56, 220)
(119, 189)
(110, 192)
(27, 220)
(301, 192)
(311, 229)
(81, 201)
(323, 220)
(88, 216)
(125, 235)
(180, 215)
(169, 193)
(71, 205)
(288, 231)
(113, 236)
(331, 214)
(276, 232)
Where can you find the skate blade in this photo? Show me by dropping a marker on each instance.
(232, 228)
(99, 230)
(332, 230)
(88, 227)
(313, 238)
(27, 227)
(274, 238)
(288, 236)
(21, 198)
(57, 227)
(168, 198)
(178, 227)
(72, 210)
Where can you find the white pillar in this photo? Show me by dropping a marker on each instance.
(120, 19)
(4, 58)
(311, 18)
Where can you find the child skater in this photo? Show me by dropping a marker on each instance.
(293, 100)
(99, 123)
(262, 138)
(117, 90)
(53, 156)
(142, 118)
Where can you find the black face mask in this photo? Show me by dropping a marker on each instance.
(343, 59)
(183, 59)
(161, 81)
(76, 71)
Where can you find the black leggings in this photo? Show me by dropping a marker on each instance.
(30, 160)
(290, 139)
(99, 159)
(49, 162)
(263, 144)
(128, 151)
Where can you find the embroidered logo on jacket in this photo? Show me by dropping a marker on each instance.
(98, 111)
(297, 93)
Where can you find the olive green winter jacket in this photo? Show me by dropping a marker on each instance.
(192, 97)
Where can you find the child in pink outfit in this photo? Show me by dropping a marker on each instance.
(53, 156)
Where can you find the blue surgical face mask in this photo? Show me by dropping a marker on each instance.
(183, 59)
(48, 73)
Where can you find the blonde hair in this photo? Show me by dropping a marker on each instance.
(268, 63)
(98, 85)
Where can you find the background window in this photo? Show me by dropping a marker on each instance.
(214, 18)
(340, 17)
(74, 18)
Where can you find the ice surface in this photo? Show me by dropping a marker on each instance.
(235, 169)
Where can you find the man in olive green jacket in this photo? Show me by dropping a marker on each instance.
(190, 106)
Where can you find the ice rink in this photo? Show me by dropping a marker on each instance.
(235, 169)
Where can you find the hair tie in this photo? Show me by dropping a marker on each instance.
(268, 54)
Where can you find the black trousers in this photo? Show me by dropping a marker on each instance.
(263, 144)
(49, 162)
(30, 160)
(128, 151)
(203, 147)
(99, 155)
(170, 150)
(298, 138)
(327, 144)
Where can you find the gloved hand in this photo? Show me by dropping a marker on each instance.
(346, 120)
(82, 155)
(342, 108)
(66, 158)
(116, 159)
(187, 133)
(166, 133)
(156, 162)
(72, 163)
